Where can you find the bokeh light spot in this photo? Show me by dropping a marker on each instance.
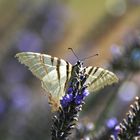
(128, 91)
(116, 7)
(111, 123)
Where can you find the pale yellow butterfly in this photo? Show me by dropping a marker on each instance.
(55, 74)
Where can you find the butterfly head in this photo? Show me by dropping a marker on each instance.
(79, 64)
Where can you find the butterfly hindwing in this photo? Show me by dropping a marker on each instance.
(53, 72)
(98, 77)
(57, 89)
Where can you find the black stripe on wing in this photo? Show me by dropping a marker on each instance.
(58, 68)
(67, 75)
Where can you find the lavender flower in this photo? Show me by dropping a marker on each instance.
(129, 128)
(80, 97)
(66, 100)
(71, 105)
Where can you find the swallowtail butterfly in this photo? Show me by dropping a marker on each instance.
(55, 74)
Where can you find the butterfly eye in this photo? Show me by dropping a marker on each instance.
(78, 62)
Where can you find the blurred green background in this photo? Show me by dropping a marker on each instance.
(105, 27)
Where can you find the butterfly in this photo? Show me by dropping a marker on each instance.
(55, 74)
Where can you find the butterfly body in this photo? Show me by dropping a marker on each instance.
(76, 72)
(56, 74)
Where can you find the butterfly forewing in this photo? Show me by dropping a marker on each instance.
(53, 72)
(97, 78)
(40, 64)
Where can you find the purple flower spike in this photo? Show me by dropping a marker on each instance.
(70, 90)
(64, 102)
(70, 97)
(79, 99)
(66, 99)
(85, 93)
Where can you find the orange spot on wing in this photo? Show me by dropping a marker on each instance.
(54, 103)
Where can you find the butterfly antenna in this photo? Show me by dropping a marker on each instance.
(90, 56)
(74, 53)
